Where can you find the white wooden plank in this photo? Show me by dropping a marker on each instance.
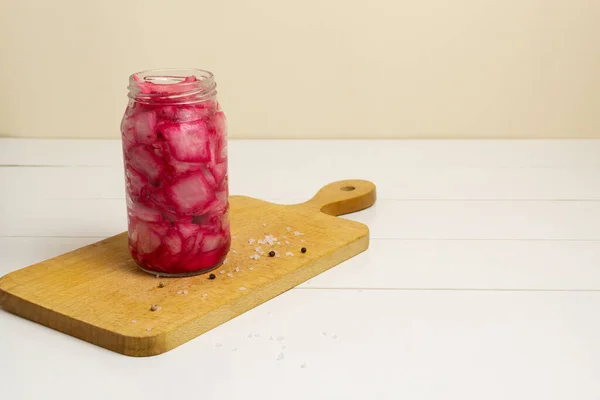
(20, 252)
(296, 153)
(418, 183)
(407, 264)
(469, 264)
(388, 219)
(52, 152)
(390, 345)
(484, 220)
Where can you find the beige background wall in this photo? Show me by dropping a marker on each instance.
(311, 68)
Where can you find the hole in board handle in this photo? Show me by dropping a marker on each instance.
(347, 188)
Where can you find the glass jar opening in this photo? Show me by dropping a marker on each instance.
(179, 86)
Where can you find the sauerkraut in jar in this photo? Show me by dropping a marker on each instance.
(174, 137)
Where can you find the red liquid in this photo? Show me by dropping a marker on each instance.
(176, 182)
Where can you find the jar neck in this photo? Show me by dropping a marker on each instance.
(174, 86)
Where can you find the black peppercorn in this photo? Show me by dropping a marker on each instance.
(303, 250)
(212, 276)
(271, 253)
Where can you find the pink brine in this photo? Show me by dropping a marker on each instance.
(175, 151)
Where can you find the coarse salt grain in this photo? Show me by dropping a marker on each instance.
(286, 242)
(285, 237)
(224, 261)
(271, 338)
(179, 291)
(251, 241)
(323, 333)
(302, 240)
(185, 292)
(303, 365)
(260, 241)
(287, 228)
(264, 224)
(148, 329)
(334, 336)
(230, 275)
(251, 268)
(255, 256)
(133, 321)
(296, 233)
(257, 249)
(237, 269)
(280, 356)
(242, 288)
(233, 252)
(257, 335)
(250, 335)
(204, 294)
(289, 254)
(222, 271)
(233, 237)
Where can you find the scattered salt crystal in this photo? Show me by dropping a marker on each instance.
(233, 237)
(185, 292)
(148, 329)
(233, 252)
(280, 338)
(222, 271)
(286, 242)
(280, 356)
(242, 288)
(287, 228)
(257, 335)
(323, 333)
(285, 237)
(157, 275)
(154, 307)
(278, 243)
(224, 261)
(237, 269)
(251, 268)
(133, 321)
(296, 233)
(260, 241)
(289, 254)
(255, 256)
(257, 249)
(334, 336)
(179, 291)
(218, 345)
(250, 335)
(204, 294)
(302, 240)
(251, 241)
(303, 365)
(264, 224)
(230, 275)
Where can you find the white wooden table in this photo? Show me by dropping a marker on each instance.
(482, 280)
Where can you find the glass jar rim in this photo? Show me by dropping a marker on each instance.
(201, 88)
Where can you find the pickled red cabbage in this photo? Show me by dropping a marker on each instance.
(176, 179)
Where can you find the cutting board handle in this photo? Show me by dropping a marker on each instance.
(344, 197)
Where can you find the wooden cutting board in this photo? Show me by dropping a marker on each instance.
(98, 294)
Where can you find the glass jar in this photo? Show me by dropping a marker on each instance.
(174, 138)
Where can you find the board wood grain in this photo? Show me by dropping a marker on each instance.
(98, 294)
